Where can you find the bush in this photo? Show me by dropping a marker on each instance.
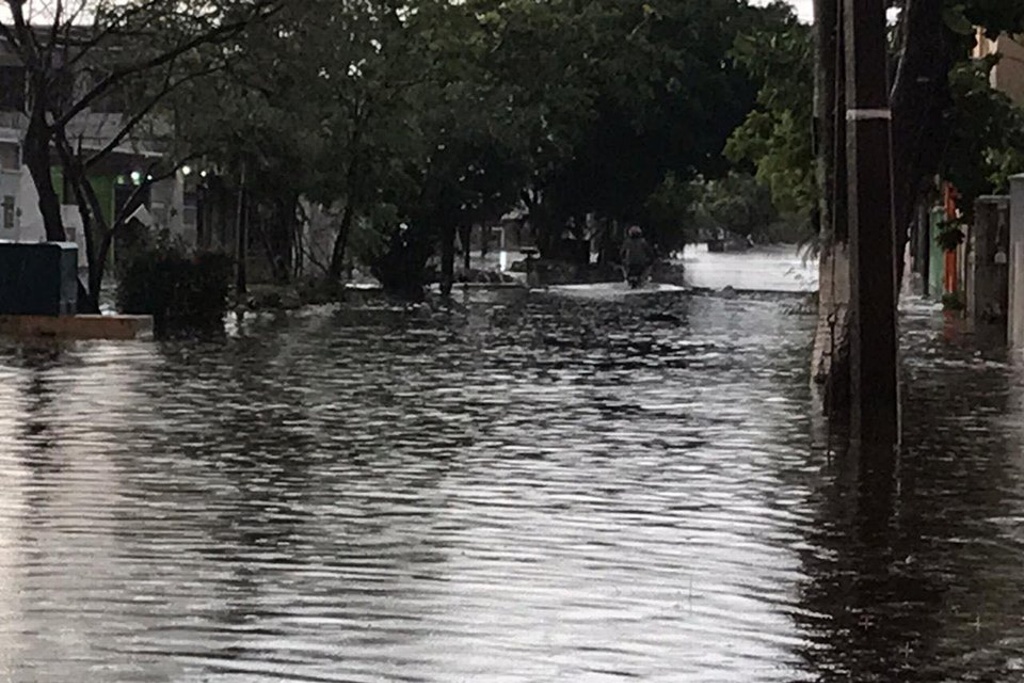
(181, 292)
(402, 268)
(953, 301)
(950, 236)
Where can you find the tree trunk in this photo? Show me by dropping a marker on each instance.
(831, 355)
(447, 258)
(340, 244)
(37, 158)
(93, 223)
(466, 235)
(242, 244)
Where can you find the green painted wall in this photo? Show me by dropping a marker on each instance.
(103, 185)
(937, 258)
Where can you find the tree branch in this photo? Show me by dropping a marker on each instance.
(54, 30)
(167, 57)
(137, 118)
(83, 48)
(28, 46)
(8, 35)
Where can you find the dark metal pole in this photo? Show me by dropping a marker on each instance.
(873, 344)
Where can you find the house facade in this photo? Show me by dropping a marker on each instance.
(1008, 73)
(115, 178)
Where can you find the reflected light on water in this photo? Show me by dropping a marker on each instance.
(514, 487)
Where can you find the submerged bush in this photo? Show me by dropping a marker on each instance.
(953, 301)
(180, 291)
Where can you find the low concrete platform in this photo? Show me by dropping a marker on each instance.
(610, 290)
(123, 327)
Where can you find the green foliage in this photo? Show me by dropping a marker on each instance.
(737, 204)
(996, 16)
(986, 131)
(950, 235)
(666, 96)
(777, 136)
(431, 115)
(986, 143)
(180, 291)
(953, 301)
(668, 213)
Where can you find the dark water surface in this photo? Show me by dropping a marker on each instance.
(517, 489)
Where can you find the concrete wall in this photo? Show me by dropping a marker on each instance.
(987, 281)
(167, 199)
(1008, 74)
(167, 204)
(31, 227)
(10, 184)
(1015, 321)
(832, 332)
(94, 130)
(73, 227)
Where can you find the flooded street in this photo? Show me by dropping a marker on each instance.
(521, 487)
(775, 268)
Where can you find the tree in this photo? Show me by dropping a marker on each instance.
(933, 38)
(416, 120)
(946, 120)
(666, 93)
(736, 203)
(91, 50)
(986, 138)
(776, 138)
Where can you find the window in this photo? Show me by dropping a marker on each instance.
(12, 88)
(189, 208)
(63, 89)
(10, 156)
(8, 210)
(114, 99)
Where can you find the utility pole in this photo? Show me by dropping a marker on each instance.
(875, 413)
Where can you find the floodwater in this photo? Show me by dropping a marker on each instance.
(774, 268)
(521, 487)
(781, 268)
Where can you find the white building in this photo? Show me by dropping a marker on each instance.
(114, 178)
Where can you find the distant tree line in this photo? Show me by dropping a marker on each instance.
(411, 122)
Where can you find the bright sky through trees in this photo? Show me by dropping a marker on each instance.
(38, 7)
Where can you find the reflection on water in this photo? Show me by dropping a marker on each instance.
(515, 488)
(774, 268)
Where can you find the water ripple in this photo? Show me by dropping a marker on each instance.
(512, 489)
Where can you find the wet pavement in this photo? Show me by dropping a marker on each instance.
(521, 487)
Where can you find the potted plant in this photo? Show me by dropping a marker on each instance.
(953, 302)
(950, 235)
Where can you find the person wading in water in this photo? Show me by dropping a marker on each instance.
(637, 256)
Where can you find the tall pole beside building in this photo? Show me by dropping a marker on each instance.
(874, 417)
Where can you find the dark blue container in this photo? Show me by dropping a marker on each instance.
(38, 278)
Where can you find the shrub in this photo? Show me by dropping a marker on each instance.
(181, 292)
(953, 301)
(949, 235)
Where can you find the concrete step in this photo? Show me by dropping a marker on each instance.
(123, 327)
